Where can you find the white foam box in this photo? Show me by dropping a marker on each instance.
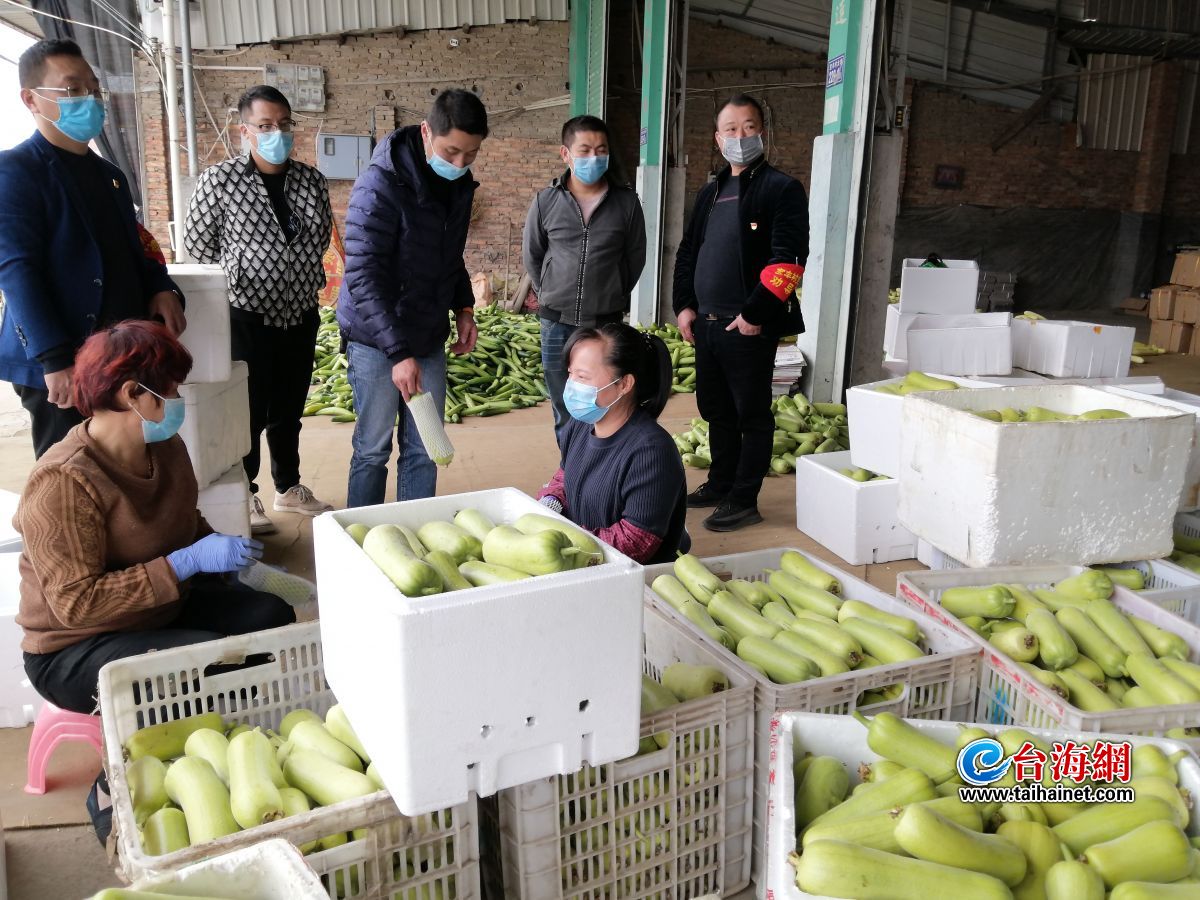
(1034, 493)
(270, 870)
(206, 306)
(874, 419)
(895, 333)
(1067, 349)
(951, 291)
(855, 519)
(481, 689)
(225, 503)
(1139, 384)
(216, 426)
(961, 345)
(1182, 401)
(845, 739)
(19, 702)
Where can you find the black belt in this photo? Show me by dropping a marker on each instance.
(602, 319)
(713, 317)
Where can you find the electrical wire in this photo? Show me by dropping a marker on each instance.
(119, 17)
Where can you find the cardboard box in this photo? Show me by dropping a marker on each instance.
(1180, 340)
(1162, 302)
(1194, 347)
(1135, 306)
(1187, 307)
(1160, 333)
(1187, 269)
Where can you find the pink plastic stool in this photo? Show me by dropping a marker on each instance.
(52, 727)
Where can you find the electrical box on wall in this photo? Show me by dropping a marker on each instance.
(343, 155)
(304, 86)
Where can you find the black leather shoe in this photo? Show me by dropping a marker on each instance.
(731, 516)
(704, 496)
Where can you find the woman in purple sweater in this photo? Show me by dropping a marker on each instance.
(621, 477)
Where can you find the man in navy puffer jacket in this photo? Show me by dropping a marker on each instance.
(406, 229)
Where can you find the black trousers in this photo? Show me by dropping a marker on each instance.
(50, 424)
(733, 392)
(213, 609)
(281, 364)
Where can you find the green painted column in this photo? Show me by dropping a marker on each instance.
(841, 71)
(588, 55)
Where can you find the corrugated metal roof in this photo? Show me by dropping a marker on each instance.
(229, 23)
(21, 20)
(1112, 103)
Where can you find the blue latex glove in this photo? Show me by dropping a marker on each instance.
(215, 553)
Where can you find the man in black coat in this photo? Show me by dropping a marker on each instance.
(406, 229)
(747, 224)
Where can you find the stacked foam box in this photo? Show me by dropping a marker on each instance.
(216, 427)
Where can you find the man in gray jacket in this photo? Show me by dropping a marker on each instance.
(584, 248)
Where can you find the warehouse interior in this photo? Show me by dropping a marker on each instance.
(1055, 142)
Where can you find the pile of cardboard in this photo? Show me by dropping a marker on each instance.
(1175, 308)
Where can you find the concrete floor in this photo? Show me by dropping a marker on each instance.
(52, 854)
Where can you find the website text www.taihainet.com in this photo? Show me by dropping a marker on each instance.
(1040, 793)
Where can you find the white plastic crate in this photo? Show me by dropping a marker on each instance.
(855, 519)
(225, 504)
(1189, 500)
(531, 678)
(1072, 349)
(940, 686)
(207, 334)
(875, 423)
(441, 848)
(846, 740)
(961, 345)
(565, 836)
(216, 425)
(272, 870)
(1010, 695)
(991, 493)
(949, 291)
(19, 702)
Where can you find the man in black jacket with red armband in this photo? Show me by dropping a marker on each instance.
(736, 272)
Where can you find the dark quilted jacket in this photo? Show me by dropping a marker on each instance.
(404, 252)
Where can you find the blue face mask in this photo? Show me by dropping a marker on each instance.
(589, 169)
(79, 118)
(446, 169)
(275, 147)
(172, 420)
(580, 401)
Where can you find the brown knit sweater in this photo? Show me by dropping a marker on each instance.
(96, 536)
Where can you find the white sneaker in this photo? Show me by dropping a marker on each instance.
(300, 499)
(259, 523)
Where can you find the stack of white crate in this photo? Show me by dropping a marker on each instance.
(934, 327)
(216, 426)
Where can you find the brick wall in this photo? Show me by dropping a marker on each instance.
(510, 65)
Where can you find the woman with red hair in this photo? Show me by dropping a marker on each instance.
(117, 560)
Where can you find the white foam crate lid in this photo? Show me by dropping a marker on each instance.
(216, 424)
(874, 419)
(225, 504)
(855, 519)
(207, 309)
(943, 684)
(700, 812)
(1138, 384)
(1189, 500)
(272, 870)
(172, 684)
(1066, 349)
(484, 653)
(846, 739)
(952, 290)
(19, 702)
(1022, 493)
(961, 345)
(1004, 682)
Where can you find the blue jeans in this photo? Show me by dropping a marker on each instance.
(378, 403)
(554, 338)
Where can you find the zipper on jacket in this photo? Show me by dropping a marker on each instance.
(583, 250)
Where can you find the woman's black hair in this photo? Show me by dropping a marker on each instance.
(631, 352)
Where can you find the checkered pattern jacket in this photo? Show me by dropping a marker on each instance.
(231, 221)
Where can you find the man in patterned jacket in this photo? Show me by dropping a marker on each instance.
(266, 219)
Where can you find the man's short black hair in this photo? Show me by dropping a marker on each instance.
(741, 100)
(32, 64)
(263, 92)
(456, 108)
(582, 123)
